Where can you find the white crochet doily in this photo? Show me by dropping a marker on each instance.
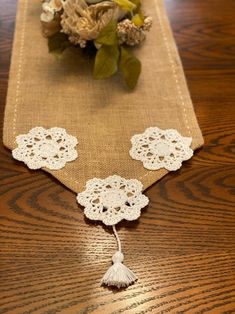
(112, 199)
(158, 148)
(50, 148)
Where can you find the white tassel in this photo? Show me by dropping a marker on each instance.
(118, 274)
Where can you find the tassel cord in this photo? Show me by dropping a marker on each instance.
(117, 238)
(118, 274)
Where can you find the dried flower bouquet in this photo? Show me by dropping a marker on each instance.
(106, 26)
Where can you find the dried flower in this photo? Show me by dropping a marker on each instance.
(130, 34)
(148, 22)
(104, 24)
(82, 22)
(48, 13)
(50, 8)
(50, 17)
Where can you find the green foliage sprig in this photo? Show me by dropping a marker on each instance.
(109, 56)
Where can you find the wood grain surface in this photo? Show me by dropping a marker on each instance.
(182, 248)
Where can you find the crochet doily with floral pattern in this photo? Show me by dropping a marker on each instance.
(50, 148)
(112, 199)
(158, 148)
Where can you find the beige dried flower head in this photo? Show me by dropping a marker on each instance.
(148, 22)
(82, 22)
(47, 13)
(50, 8)
(50, 17)
(130, 34)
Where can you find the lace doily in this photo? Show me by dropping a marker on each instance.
(112, 199)
(50, 148)
(158, 148)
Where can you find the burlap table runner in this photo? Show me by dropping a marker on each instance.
(103, 115)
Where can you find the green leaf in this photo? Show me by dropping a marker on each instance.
(138, 19)
(58, 42)
(130, 67)
(126, 4)
(106, 62)
(108, 35)
(136, 2)
(137, 6)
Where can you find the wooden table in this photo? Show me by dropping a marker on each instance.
(182, 248)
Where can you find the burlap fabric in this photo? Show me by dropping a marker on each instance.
(103, 115)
